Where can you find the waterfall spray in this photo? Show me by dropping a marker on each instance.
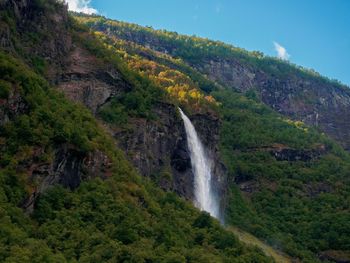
(205, 198)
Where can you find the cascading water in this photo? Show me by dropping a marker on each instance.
(205, 199)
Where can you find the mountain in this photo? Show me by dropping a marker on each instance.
(95, 165)
(278, 170)
(291, 90)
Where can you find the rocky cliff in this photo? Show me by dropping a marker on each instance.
(159, 148)
(313, 101)
(68, 168)
(285, 88)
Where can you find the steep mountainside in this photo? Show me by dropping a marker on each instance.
(84, 113)
(67, 193)
(293, 91)
(279, 171)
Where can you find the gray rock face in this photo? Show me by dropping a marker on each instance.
(68, 168)
(5, 37)
(159, 149)
(314, 102)
(86, 80)
(293, 155)
(11, 107)
(208, 128)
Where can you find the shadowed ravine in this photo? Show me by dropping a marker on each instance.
(205, 198)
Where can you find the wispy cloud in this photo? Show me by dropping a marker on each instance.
(218, 8)
(81, 6)
(281, 51)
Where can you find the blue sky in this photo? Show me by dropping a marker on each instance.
(311, 33)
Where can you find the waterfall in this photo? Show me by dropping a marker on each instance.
(205, 199)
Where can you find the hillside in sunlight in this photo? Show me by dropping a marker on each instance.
(95, 162)
(287, 183)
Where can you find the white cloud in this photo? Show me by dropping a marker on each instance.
(218, 8)
(81, 6)
(281, 51)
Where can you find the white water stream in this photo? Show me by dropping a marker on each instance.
(205, 198)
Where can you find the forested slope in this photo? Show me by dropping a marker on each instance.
(288, 183)
(94, 154)
(67, 193)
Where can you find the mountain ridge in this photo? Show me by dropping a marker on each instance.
(296, 92)
(280, 179)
